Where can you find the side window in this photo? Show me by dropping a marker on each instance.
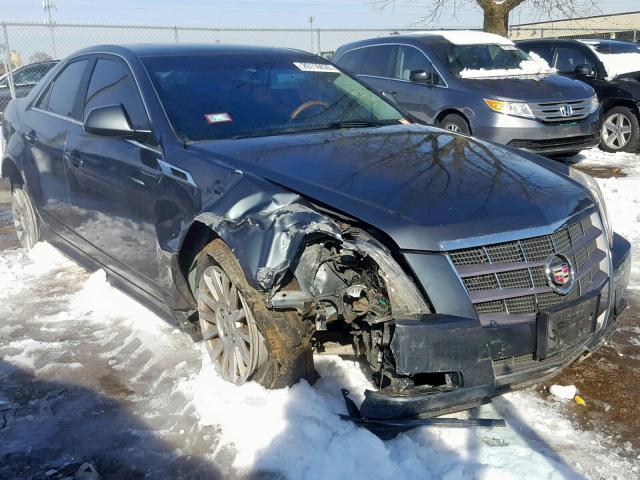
(111, 84)
(377, 61)
(410, 59)
(545, 51)
(350, 61)
(61, 96)
(569, 58)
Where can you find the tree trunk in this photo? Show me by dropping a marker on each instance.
(496, 18)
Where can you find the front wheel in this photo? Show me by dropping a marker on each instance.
(620, 131)
(246, 340)
(25, 219)
(455, 123)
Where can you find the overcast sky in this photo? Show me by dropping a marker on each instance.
(264, 13)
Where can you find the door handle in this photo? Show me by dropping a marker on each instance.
(74, 158)
(31, 137)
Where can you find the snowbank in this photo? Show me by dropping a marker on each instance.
(536, 65)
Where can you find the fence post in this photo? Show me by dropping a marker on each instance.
(6, 57)
(175, 32)
(319, 49)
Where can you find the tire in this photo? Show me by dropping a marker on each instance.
(246, 340)
(455, 123)
(620, 131)
(25, 219)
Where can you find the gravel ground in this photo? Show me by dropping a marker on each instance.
(89, 375)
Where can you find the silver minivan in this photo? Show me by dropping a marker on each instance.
(479, 84)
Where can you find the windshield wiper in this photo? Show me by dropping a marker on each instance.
(358, 123)
(314, 128)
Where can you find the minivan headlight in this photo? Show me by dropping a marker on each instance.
(595, 103)
(517, 109)
(593, 187)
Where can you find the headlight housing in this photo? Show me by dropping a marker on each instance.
(595, 103)
(591, 184)
(517, 109)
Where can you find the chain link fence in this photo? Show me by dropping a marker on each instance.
(28, 49)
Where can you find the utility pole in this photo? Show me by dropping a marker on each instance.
(310, 21)
(49, 6)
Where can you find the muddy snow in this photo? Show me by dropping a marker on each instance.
(89, 375)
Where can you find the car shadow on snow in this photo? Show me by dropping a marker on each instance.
(50, 428)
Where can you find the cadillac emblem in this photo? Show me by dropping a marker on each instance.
(560, 273)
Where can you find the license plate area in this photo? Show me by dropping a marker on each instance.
(566, 325)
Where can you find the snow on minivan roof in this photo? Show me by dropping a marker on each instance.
(465, 37)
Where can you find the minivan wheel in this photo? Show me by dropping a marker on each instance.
(246, 340)
(25, 219)
(620, 131)
(455, 123)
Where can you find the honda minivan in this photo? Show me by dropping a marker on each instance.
(479, 84)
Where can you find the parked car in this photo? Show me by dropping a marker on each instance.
(612, 68)
(478, 84)
(264, 198)
(24, 79)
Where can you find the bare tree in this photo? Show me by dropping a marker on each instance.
(496, 12)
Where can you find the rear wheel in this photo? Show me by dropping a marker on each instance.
(620, 131)
(246, 340)
(455, 123)
(25, 219)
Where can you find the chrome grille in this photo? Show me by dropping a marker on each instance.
(509, 278)
(552, 111)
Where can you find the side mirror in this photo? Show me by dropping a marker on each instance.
(585, 69)
(421, 76)
(112, 121)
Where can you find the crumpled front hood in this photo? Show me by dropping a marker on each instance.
(531, 88)
(425, 188)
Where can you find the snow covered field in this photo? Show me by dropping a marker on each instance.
(87, 374)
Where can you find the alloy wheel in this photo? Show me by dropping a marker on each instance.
(616, 131)
(23, 220)
(227, 324)
(452, 127)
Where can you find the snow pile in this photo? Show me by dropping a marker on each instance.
(563, 392)
(536, 65)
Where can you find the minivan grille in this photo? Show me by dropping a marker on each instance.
(564, 111)
(509, 278)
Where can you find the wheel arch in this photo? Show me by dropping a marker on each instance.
(11, 171)
(610, 103)
(455, 111)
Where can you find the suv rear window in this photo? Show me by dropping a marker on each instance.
(378, 61)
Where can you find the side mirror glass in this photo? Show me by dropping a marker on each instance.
(421, 76)
(585, 69)
(111, 121)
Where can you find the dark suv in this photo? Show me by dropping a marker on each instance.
(269, 202)
(612, 68)
(479, 84)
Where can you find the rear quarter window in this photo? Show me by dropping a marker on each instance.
(351, 61)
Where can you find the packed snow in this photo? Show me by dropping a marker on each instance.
(467, 37)
(74, 321)
(563, 392)
(536, 65)
(617, 64)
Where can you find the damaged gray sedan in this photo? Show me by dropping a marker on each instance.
(274, 205)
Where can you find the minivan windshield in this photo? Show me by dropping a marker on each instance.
(234, 95)
(457, 58)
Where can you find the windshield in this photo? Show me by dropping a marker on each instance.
(457, 58)
(234, 95)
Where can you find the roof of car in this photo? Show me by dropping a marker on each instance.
(575, 40)
(144, 50)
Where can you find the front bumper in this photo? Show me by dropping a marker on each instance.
(539, 137)
(462, 347)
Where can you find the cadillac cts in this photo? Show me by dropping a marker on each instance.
(276, 206)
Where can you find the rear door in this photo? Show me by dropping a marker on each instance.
(113, 182)
(376, 66)
(46, 127)
(418, 99)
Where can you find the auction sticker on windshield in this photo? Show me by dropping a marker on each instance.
(217, 117)
(316, 67)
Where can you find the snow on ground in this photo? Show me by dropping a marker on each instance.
(168, 413)
(622, 195)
